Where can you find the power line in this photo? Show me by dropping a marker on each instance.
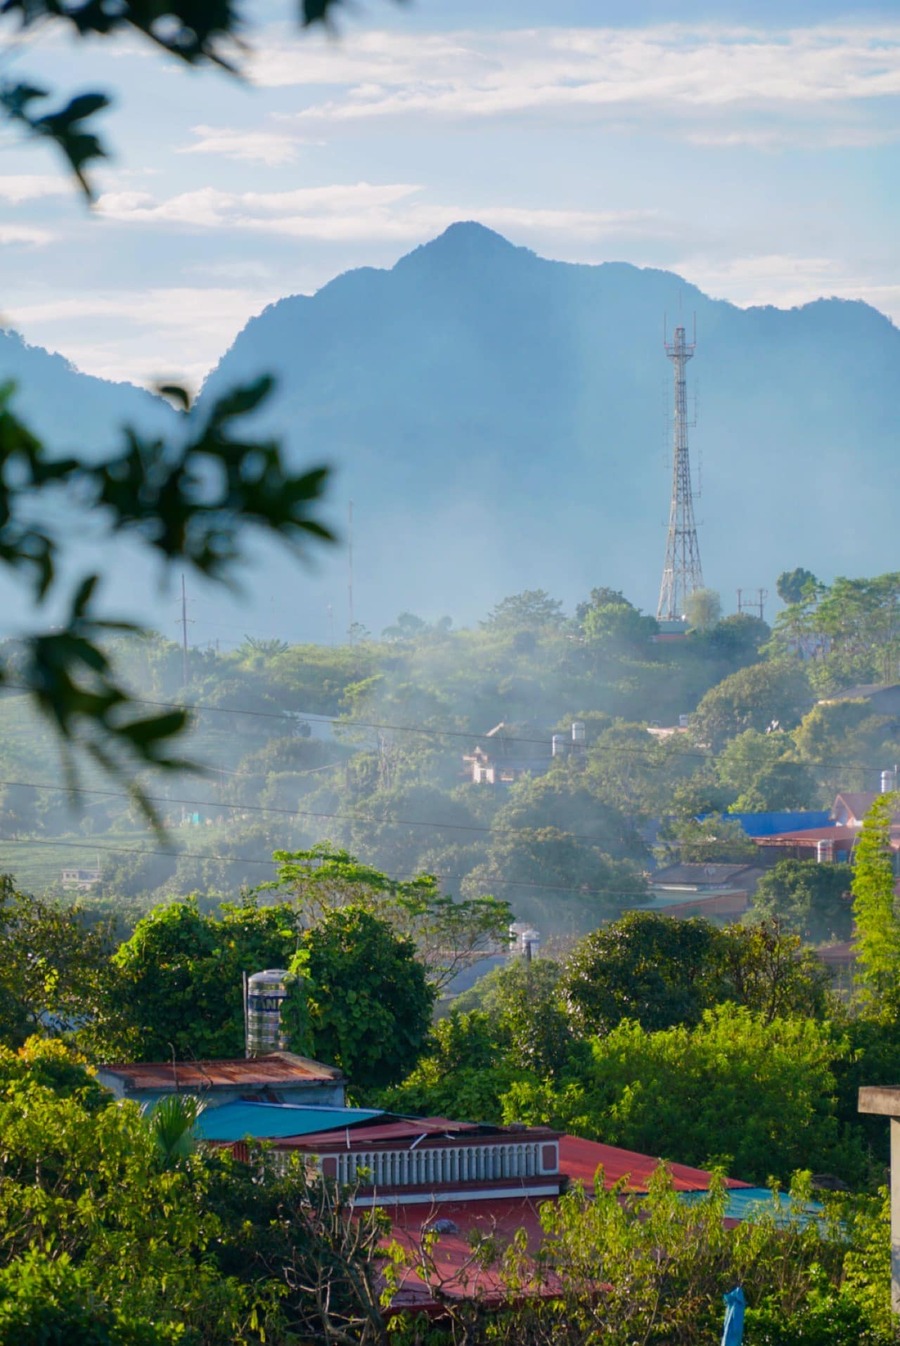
(576, 890)
(291, 813)
(312, 717)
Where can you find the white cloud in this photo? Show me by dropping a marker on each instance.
(170, 332)
(785, 281)
(24, 235)
(363, 211)
(676, 68)
(17, 188)
(272, 148)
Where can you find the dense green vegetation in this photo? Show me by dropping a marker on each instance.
(387, 769)
(359, 853)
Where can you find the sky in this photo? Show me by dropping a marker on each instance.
(750, 146)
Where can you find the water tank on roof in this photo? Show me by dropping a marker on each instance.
(266, 994)
(578, 731)
(888, 781)
(558, 743)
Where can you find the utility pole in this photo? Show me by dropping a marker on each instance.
(682, 573)
(755, 605)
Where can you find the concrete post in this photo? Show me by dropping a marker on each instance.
(884, 1101)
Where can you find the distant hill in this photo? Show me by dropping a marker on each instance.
(499, 422)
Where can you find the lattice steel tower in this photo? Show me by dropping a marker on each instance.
(682, 573)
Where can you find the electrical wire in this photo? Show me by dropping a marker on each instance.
(312, 717)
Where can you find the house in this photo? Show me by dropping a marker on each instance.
(277, 1077)
(458, 1180)
(502, 758)
(830, 841)
(714, 890)
(80, 878)
(883, 698)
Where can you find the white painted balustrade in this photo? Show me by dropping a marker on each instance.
(448, 1164)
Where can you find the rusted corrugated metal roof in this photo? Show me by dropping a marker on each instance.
(276, 1068)
(400, 1129)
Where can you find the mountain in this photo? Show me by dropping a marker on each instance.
(499, 422)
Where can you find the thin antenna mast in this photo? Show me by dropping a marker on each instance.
(682, 572)
(350, 568)
(184, 627)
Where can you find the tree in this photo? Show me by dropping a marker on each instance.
(792, 585)
(763, 696)
(711, 840)
(754, 1094)
(649, 968)
(875, 916)
(448, 935)
(361, 1000)
(178, 986)
(54, 968)
(812, 900)
(703, 609)
(609, 619)
(532, 610)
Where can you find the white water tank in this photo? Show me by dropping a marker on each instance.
(578, 731)
(558, 745)
(824, 852)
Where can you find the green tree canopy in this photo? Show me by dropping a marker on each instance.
(754, 1094)
(179, 980)
(791, 585)
(362, 1001)
(763, 696)
(810, 899)
(448, 935)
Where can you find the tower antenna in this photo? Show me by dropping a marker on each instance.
(682, 573)
(351, 631)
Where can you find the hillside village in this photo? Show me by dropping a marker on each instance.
(502, 985)
(413, 930)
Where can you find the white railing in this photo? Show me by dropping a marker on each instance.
(448, 1164)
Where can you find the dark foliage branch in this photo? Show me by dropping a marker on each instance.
(188, 503)
(195, 31)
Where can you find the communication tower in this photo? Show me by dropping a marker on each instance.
(682, 573)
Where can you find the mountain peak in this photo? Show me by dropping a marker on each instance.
(462, 243)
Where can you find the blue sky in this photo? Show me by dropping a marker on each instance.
(751, 146)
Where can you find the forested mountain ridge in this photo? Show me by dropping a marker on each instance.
(499, 421)
(477, 396)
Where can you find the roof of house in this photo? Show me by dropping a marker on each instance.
(580, 1160)
(705, 875)
(459, 1273)
(863, 691)
(770, 823)
(856, 802)
(390, 1129)
(274, 1121)
(258, 1072)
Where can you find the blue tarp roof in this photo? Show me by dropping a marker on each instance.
(770, 824)
(274, 1121)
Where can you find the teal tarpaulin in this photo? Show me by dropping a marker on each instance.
(735, 1303)
(274, 1121)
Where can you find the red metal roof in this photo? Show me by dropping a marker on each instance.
(276, 1068)
(459, 1274)
(579, 1160)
